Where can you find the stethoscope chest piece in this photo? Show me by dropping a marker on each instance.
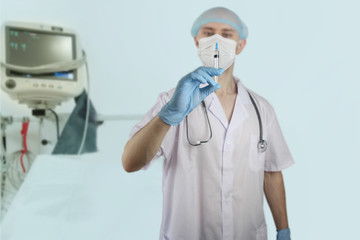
(262, 146)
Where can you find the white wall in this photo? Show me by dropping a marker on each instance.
(302, 56)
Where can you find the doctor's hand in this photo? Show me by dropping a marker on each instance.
(283, 234)
(188, 94)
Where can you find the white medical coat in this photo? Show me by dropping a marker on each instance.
(215, 191)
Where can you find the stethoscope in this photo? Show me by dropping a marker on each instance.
(262, 144)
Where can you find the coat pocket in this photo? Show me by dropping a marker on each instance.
(256, 158)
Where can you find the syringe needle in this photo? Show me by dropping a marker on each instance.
(216, 60)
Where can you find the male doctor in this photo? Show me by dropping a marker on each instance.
(214, 173)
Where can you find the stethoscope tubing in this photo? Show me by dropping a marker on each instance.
(262, 144)
(258, 115)
(187, 128)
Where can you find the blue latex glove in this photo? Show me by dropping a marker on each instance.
(188, 94)
(283, 234)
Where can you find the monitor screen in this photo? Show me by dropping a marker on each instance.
(30, 48)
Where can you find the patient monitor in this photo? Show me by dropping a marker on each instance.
(41, 65)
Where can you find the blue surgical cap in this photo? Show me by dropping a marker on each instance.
(220, 15)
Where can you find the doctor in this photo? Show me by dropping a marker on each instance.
(214, 190)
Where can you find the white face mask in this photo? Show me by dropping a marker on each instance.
(227, 51)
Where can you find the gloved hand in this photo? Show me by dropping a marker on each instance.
(188, 95)
(283, 234)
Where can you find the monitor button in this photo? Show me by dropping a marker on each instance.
(10, 83)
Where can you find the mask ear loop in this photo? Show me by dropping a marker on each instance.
(237, 44)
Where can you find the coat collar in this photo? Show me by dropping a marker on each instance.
(239, 113)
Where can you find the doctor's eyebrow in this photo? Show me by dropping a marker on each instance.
(212, 29)
(207, 28)
(228, 30)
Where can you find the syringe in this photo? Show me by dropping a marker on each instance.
(216, 60)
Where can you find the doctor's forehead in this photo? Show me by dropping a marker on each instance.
(215, 26)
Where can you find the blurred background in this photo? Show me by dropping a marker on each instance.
(302, 56)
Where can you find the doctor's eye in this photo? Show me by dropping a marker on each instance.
(208, 33)
(226, 35)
